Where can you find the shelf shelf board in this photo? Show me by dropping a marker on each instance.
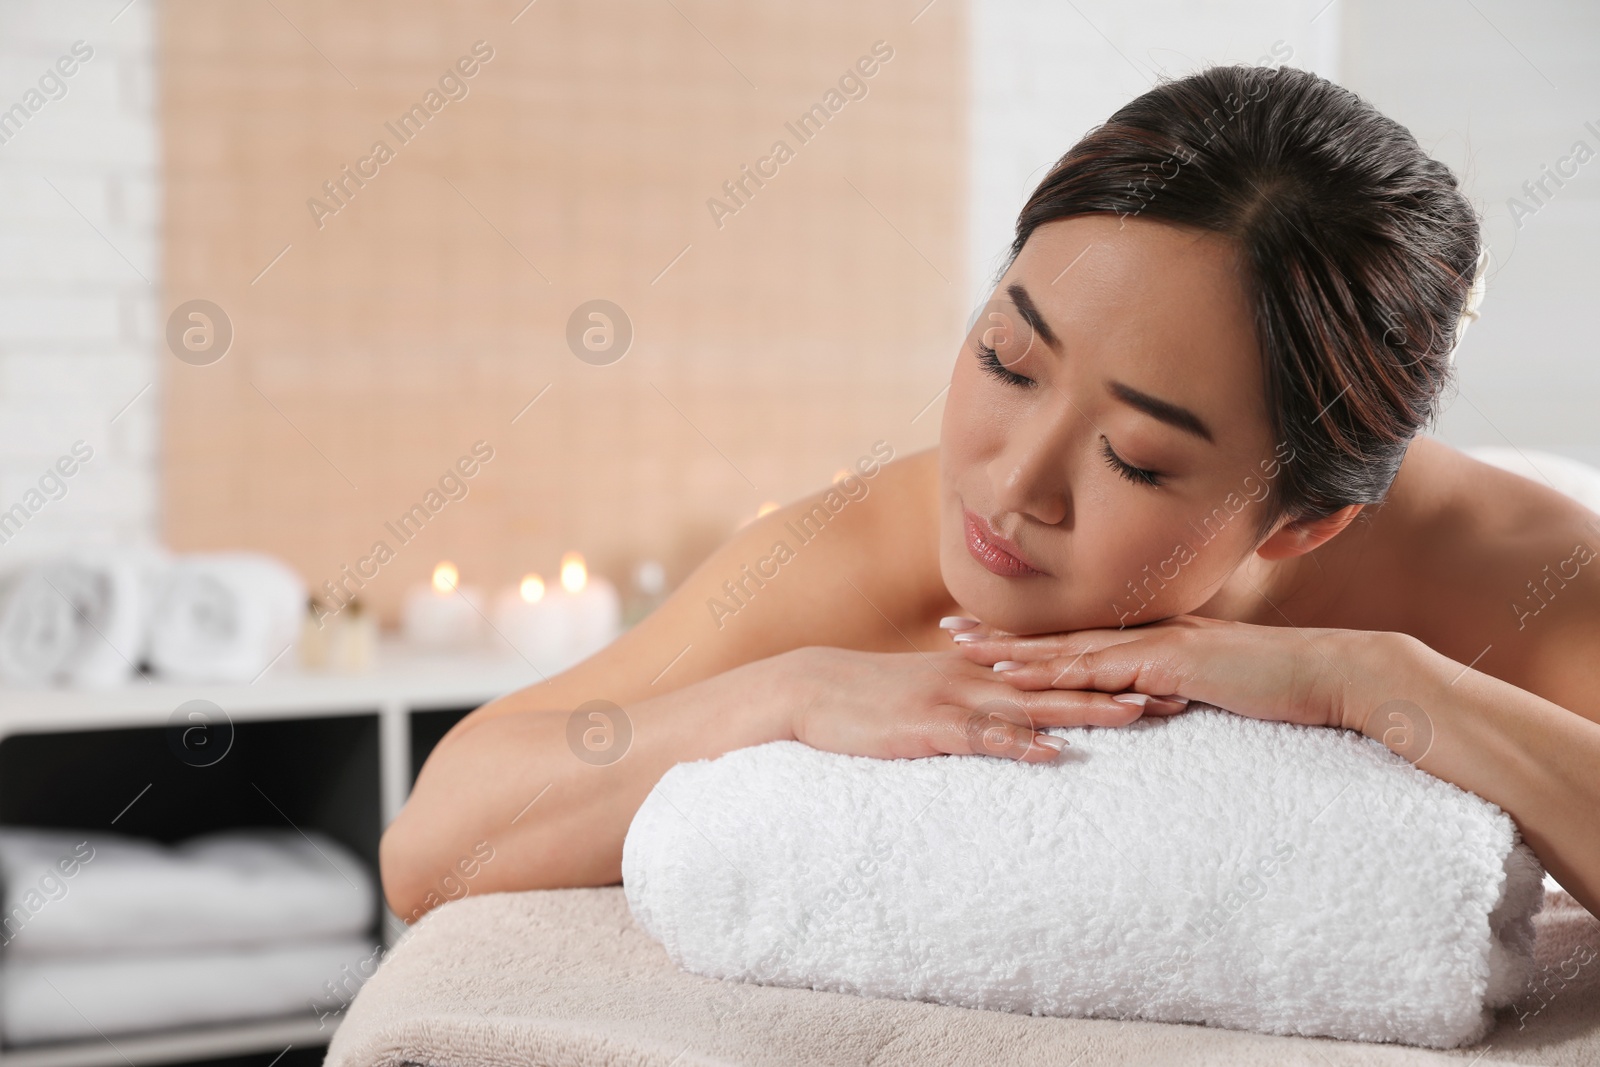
(417, 679)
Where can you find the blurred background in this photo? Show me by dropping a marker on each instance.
(375, 343)
(545, 299)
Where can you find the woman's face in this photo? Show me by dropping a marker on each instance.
(1104, 461)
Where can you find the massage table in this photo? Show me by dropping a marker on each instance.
(566, 977)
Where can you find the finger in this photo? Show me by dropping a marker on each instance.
(976, 632)
(959, 731)
(989, 648)
(1059, 707)
(1153, 705)
(1050, 672)
(1134, 673)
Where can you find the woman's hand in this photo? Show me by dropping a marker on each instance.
(1265, 672)
(906, 705)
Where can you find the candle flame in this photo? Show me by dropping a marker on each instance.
(446, 577)
(574, 575)
(532, 588)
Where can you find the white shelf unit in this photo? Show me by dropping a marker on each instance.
(343, 747)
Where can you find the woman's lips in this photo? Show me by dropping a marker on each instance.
(993, 551)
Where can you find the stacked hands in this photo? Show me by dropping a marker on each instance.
(993, 692)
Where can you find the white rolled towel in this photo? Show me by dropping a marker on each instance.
(225, 617)
(78, 619)
(1203, 868)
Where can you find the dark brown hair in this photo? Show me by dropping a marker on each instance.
(1359, 251)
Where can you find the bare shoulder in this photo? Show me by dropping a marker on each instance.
(854, 564)
(1518, 565)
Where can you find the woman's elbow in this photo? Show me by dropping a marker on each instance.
(400, 865)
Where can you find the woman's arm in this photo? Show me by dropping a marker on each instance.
(551, 810)
(1538, 761)
(527, 801)
(471, 799)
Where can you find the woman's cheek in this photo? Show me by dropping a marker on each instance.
(968, 415)
(1147, 571)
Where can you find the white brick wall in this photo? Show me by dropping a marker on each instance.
(80, 205)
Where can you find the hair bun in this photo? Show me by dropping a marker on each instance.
(1469, 310)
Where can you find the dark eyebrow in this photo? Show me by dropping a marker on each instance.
(1030, 314)
(1155, 407)
(1172, 414)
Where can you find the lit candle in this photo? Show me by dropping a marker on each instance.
(594, 608)
(554, 628)
(533, 624)
(444, 613)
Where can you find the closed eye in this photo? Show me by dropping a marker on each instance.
(990, 359)
(1134, 474)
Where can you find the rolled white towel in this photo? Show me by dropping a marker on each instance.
(75, 892)
(78, 619)
(225, 617)
(1204, 868)
(39, 628)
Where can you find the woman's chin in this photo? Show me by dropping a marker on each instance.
(1001, 604)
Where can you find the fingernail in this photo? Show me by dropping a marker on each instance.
(1009, 665)
(957, 622)
(1136, 699)
(1050, 741)
(965, 637)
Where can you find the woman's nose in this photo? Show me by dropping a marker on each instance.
(1031, 474)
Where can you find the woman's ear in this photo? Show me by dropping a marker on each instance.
(1297, 537)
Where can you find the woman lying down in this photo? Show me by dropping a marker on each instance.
(1180, 461)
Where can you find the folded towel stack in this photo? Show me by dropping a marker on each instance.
(1204, 868)
(91, 618)
(111, 934)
